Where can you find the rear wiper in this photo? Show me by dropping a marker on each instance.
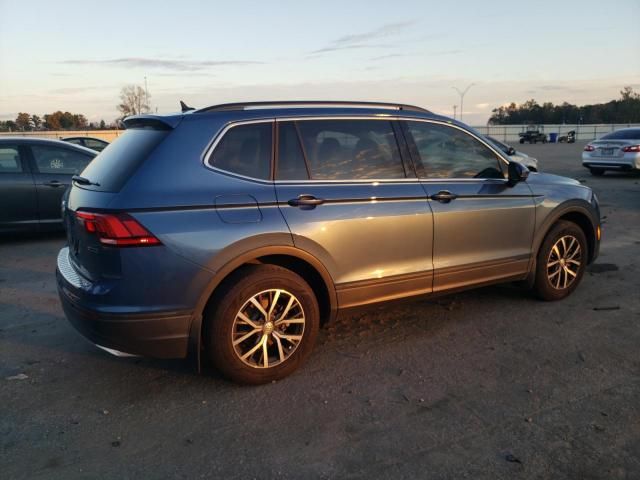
(84, 181)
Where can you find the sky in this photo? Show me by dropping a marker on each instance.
(77, 55)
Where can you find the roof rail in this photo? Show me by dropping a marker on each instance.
(313, 103)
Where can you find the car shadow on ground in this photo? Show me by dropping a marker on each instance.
(30, 237)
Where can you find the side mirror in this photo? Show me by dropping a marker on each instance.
(517, 173)
(511, 151)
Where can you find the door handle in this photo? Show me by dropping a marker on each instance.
(305, 201)
(444, 196)
(54, 184)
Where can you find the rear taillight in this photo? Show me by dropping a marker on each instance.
(631, 148)
(589, 148)
(116, 229)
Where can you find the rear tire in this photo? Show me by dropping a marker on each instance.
(255, 299)
(597, 172)
(561, 261)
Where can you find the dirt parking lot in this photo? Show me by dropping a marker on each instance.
(490, 383)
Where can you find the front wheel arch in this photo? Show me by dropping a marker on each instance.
(576, 212)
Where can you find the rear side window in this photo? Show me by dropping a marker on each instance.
(351, 149)
(245, 150)
(446, 152)
(59, 160)
(291, 164)
(116, 163)
(10, 160)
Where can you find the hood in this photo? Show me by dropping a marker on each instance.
(549, 178)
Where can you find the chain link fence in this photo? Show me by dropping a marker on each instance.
(509, 133)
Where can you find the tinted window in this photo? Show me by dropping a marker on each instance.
(446, 152)
(245, 150)
(631, 134)
(94, 144)
(117, 163)
(59, 160)
(75, 141)
(351, 149)
(10, 160)
(291, 164)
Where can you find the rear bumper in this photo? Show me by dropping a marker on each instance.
(153, 334)
(609, 165)
(628, 161)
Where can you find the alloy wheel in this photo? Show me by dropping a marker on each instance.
(563, 264)
(268, 328)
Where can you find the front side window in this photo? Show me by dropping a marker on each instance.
(245, 150)
(10, 159)
(447, 152)
(59, 160)
(351, 149)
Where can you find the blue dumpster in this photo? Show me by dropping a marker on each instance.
(553, 137)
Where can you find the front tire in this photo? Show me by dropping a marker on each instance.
(262, 325)
(561, 261)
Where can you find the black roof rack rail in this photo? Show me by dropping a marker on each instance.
(312, 103)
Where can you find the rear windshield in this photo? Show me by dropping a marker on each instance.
(631, 134)
(116, 163)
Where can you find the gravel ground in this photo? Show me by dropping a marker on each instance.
(488, 383)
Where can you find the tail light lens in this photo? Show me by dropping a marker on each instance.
(631, 148)
(589, 148)
(116, 229)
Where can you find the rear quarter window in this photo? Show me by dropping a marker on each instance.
(245, 150)
(118, 162)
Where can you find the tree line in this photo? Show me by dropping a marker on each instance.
(133, 101)
(26, 122)
(626, 109)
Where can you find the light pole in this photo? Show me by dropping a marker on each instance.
(454, 111)
(462, 94)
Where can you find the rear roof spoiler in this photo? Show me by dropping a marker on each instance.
(156, 122)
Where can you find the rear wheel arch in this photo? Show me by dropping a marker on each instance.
(291, 258)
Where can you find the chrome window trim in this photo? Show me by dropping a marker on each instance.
(208, 152)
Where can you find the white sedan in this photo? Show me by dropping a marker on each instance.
(619, 150)
(520, 157)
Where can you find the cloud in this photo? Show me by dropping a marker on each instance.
(142, 62)
(389, 55)
(363, 40)
(75, 90)
(347, 47)
(552, 87)
(482, 106)
(445, 52)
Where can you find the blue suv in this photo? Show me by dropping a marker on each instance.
(231, 233)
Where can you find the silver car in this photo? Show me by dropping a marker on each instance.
(530, 162)
(619, 150)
